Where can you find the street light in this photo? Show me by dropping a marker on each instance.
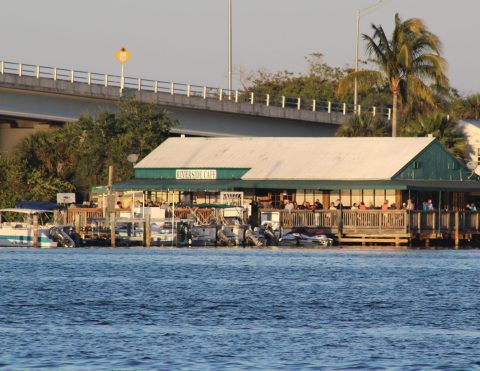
(229, 47)
(361, 12)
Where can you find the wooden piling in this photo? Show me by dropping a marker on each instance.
(112, 230)
(146, 228)
(35, 231)
(457, 230)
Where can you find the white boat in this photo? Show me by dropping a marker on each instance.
(17, 229)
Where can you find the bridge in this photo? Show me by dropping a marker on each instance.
(34, 98)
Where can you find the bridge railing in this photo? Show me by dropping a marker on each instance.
(206, 92)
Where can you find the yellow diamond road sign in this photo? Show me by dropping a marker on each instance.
(123, 55)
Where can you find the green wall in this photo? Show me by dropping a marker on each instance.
(434, 163)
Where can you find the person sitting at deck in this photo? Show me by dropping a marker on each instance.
(289, 206)
(318, 205)
(119, 205)
(354, 206)
(429, 205)
(332, 206)
(473, 207)
(362, 206)
(384, 205)
(410, 205)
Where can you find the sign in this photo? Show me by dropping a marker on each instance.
(123, 55)
(65, 198)
(196, 174)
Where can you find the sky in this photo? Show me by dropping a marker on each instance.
(185, 41)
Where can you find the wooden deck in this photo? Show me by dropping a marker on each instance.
(396, 226)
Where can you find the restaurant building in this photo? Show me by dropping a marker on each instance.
(271, 170)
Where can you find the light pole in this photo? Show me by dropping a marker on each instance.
(361, 12)
(229, 47)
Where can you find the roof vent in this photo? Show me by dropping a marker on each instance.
(430, 135)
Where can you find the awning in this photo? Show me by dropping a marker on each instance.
(229, 185)
(442, 185)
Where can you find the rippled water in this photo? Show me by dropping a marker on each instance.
(239, 309)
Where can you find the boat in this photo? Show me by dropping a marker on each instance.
(17, 229)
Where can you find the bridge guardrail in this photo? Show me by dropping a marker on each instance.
(206, 92)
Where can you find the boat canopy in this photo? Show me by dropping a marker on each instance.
(36, 205)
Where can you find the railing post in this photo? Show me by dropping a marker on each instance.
(268, 100)
(72, 76)
(188, 90)
(55, 73)
(139, 84)
(236, 96)
(314, 105)
(252, 97)
(329, 107)
(204, 92)
(344, 109)
(89, 78)
(299, 103)
(155, 86)
(37, 72)
(2, 67)
(106, 80)
(283, 101)
(389, 114)
(374, 111)
(172, 88)
(359, 110)
(20, 70)
(220, 94)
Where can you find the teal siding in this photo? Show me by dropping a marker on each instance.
(433, 163)
(163, 173)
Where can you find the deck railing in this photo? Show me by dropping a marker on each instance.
(388, 221)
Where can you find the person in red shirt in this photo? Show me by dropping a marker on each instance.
(385, 205)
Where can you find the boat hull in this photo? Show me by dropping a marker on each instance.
(23, 237)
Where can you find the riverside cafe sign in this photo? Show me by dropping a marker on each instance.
(196, 174)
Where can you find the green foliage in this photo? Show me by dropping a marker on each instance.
(468, 107)
(442, 127)
(364, 125)
(320, 82)
(409, 63)
(76, 157)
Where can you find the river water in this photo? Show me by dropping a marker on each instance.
(186, 309)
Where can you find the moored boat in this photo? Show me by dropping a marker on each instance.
(17, 229)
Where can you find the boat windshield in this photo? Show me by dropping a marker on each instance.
(44, 217)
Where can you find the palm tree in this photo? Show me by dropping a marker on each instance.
(442, 127)
(363, 125)
(406, 64)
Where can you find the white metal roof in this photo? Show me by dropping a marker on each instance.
(291, 158)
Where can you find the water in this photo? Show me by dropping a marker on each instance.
(101, 309)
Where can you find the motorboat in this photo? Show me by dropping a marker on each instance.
(305, 236)
(17, 229)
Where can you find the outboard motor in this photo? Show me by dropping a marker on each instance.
(60, 236)
(222, 237)
(249, 237)
(270, 236)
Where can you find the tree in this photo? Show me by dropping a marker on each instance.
(468, 107)
(320, 82)
(363, 125)
(76, 156)
(442, 127)
(407, 64)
